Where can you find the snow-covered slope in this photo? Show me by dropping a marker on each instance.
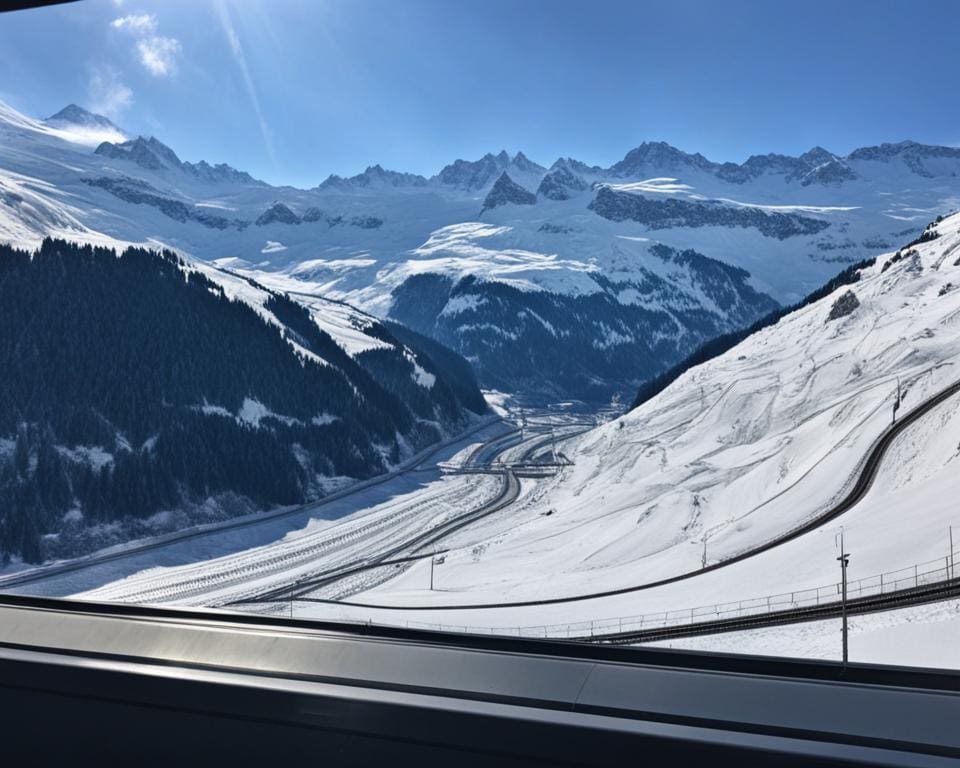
(737, 451)
(587, 240)
(142, 392)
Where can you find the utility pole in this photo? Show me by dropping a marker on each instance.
(703, 561)
(844, 562)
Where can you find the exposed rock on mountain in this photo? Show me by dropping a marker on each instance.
(277, 213)
(506, 191)
(561, 184)
(845, 304)
(154, 155)
(671, 212)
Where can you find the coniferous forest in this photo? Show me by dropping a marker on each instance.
(136, 396)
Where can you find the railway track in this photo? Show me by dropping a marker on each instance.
(405, 552)
(859, 489)
(60, 569)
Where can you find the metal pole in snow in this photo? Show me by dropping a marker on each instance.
(432, 560)
(844, 561)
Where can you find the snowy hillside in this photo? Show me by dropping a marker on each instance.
(734, 453)
(142, 393)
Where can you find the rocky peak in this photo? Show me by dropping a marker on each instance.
(76, 115)
(652, 156)
(525, 164)
(278, 213)
(817, 156)
(373, 176)
(474, 175)
(561, 183)
(505, 190)
(147, 153)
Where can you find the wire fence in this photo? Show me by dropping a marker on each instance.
(938, 570)
(920, 574)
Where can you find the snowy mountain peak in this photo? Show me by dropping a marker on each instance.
(375, 176)
(576, 167)
(525, 164)
(277, 213)
(817, 156)
(76, 115)
(505, 190)
(153, 155)
(928, 161)
(148, 153)
(561, 183)
(660, 156)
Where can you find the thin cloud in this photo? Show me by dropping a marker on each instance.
(143, 23)
(237, 49)
(159, 55)
(107, 94)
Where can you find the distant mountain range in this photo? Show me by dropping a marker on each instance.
(564, 281)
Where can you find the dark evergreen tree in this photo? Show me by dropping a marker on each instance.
(125, 376)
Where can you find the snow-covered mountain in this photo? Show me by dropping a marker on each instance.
(142, 392)
(627, 268)
(74, 118)
(734, 453)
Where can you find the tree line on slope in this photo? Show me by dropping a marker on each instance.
(123, 375)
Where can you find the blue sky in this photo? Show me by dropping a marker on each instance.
(292, 90)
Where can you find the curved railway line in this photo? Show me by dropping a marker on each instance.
(862, 484)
